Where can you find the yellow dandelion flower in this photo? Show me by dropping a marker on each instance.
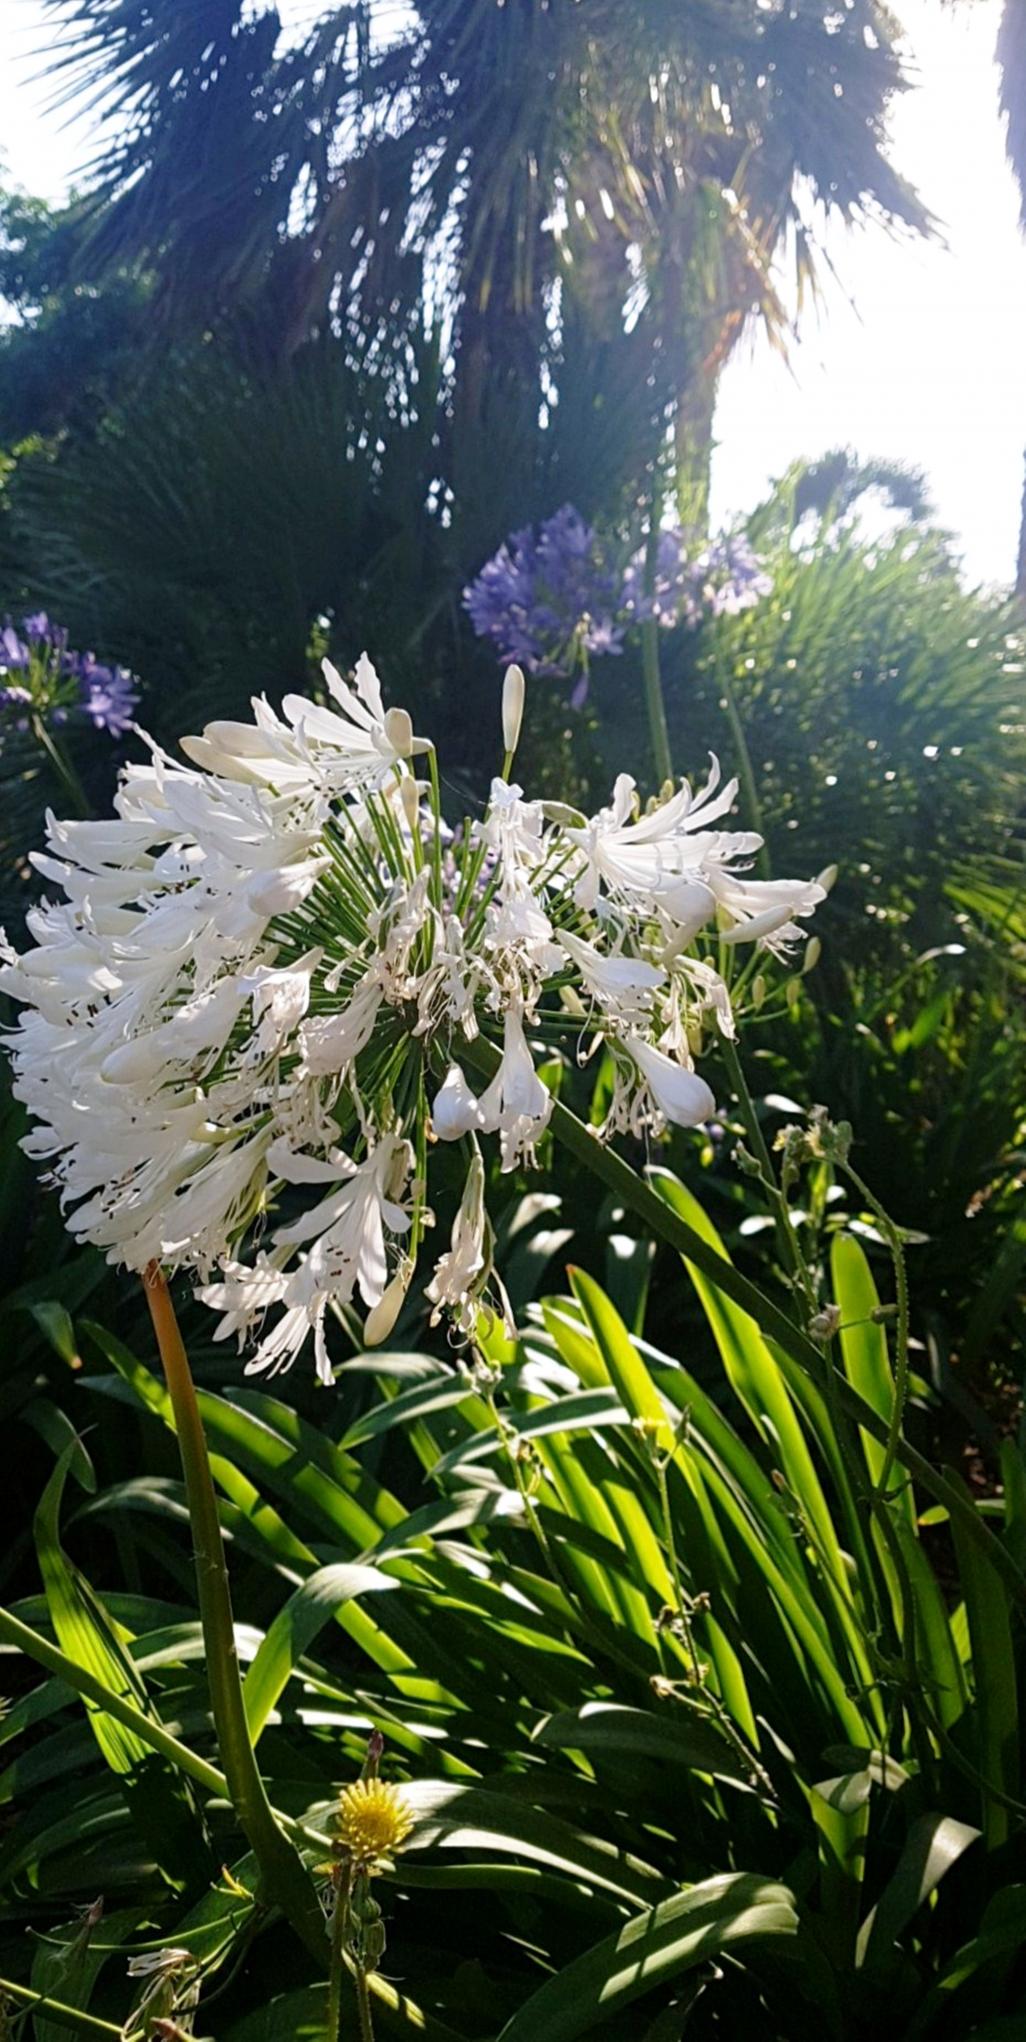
(373, 1819)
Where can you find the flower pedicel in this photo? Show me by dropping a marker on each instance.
(250, 1015)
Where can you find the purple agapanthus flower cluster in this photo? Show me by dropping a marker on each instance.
(551, 600)
(39, 672)
(548, 599)
(715, 580)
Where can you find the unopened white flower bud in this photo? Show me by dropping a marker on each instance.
(409, 795)
(398, 729)
(456, 1110)
(382, 1316)
(827, 877)
(813, 953)
(826, 1322)
(513, 693)
(759, 990)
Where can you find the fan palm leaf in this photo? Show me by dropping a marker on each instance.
(646, 162)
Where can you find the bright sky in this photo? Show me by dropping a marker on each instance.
(920, 357)
(929, 369)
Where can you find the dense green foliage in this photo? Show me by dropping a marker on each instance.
(694, 1630)
(551, 1603)
(626, 1622)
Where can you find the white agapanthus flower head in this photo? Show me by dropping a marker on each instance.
(277, 978)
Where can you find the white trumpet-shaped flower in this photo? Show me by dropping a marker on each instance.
(678, 1093)
(622, 984)
(330, 1042)
(352, 744)
(463, 1274)
(516, 1105)
(456, 1110)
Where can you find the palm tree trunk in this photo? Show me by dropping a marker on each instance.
(693, 446)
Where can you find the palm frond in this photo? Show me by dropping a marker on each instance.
(1011, 56)
(647, 162)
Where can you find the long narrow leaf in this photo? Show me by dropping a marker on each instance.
(296, 1626)
(720, 1914)
(158, 1796)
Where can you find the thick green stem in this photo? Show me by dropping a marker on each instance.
(787, 1247)
(337, 1970)
(283, 1875)
(746, 775)
(639, 1196)
(364, 2007)
(655, 705)
(62, 765)
(72, 2018)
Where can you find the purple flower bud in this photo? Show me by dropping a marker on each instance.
(109, 696)
(12, 652)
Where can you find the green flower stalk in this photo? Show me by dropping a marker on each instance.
(284, 1878)
(372, 1822)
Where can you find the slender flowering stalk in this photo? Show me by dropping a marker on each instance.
(283, 1875)
(252, 1015)
(644, 602)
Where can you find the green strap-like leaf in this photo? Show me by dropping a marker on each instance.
(754, 1375)
(933, 1845)
(998, 1943)
(631, 1377)
(160, 1800)
(450, 1816)
(867, 1363)
(83, 1629)
(995, 1684)
(294, 1629)
(632, 1734)
(655, 1946)
(299, 2017)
